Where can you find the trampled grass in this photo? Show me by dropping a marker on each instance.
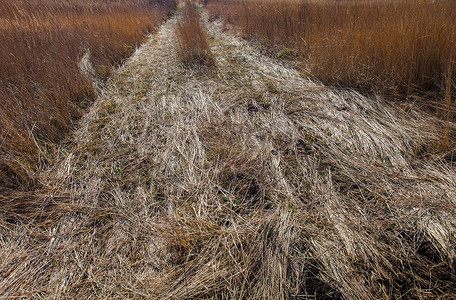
(42, 89)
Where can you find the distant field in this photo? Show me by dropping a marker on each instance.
(400, 48)
(41, 87)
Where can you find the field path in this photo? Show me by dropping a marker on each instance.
(247, 180)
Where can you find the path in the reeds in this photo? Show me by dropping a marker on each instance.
(244, 181)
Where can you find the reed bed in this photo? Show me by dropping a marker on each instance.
(42, 89)
(405, 49)
(193, 38)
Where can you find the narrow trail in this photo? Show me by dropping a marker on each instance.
(247, 181)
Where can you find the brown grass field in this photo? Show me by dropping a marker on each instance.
(42, 89)
(215, 163)
(398, 47)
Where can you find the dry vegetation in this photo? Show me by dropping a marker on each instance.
(245, 182)
(42, 89)
(193, 45)
(398, 47)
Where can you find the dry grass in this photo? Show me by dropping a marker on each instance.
(194, 48)
(253, 183)
(401, 48)
(42, 88)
